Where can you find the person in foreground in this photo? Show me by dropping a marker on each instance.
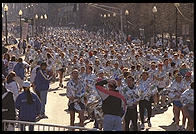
(111, 105)
(29, 106)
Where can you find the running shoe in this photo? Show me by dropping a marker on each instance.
(60, 85)
(142, 126)
(149, 123)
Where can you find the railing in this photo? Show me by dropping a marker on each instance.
(14, 125)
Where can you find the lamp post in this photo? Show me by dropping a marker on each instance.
(6, 32)
(36, 18)
(108, 23)
(154, 10)
(20, 14)
(104, 17)
(2, 23)
(45, 16)
(126, 14)
(176, 5)
(41, 17)
(114, 24)
(101, 19)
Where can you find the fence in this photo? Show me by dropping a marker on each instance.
(14, 125)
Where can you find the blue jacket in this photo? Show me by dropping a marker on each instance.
(20, 70)
(28, 112)
(41, 84)
(37, 44)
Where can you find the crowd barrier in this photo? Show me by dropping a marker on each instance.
(15, 125)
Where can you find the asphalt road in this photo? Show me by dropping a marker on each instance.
(56, 110)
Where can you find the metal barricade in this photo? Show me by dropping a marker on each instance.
(14, 125)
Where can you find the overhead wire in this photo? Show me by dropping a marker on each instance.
(102, 8)
(183, 15)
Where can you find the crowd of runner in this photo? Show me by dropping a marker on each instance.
(135, 74)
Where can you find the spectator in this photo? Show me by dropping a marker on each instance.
(42, 80)
(12, 64)
(19, 69)
(20, 45)
(33, 75)
(29, 106)
(112, 115)
(8, 108)
(24, 45)
(12, 85)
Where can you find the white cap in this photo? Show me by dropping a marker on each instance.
(26, 84)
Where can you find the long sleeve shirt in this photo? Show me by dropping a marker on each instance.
(19, 69)
(28, 112)
(42, 80)
(8, 106)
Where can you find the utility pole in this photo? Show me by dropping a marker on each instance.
(121, 20)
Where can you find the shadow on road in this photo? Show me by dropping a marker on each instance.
(67, 79)
(159, 111)
(66, 110)
(171, 127)
(62, 94)
(50, 90)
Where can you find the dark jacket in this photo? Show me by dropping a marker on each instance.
(19, 69)
(111, 105)
(28, 112)
(8, 105)
(24, 44)
(40, 82)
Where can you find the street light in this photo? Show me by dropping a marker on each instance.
(2, 20)
(41, 17)
(176, 5)
(20, 14)
(45, 16)
(5, 10)
(36, 18)
(126, 14)
(154, 10)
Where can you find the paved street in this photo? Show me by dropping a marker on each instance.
(56, 110)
